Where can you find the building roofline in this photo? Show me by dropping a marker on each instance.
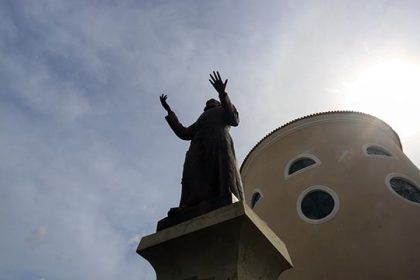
(315, 115)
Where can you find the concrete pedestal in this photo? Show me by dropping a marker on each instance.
(231, 242)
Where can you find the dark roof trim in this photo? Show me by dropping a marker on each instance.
(315, 115)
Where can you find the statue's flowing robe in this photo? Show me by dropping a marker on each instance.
(210, 168)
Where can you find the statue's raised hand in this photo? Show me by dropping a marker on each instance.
(218, 83)
(165, 105)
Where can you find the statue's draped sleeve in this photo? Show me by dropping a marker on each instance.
(232, 116)
(185, 133)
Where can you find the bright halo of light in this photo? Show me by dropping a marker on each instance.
(390, 91)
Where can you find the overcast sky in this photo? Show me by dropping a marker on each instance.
(88, 162)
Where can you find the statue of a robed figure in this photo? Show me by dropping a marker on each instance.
(210, 175)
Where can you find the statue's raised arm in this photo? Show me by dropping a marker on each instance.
(185, 133)
(220, 86)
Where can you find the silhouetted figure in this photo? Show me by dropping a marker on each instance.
(210, 169)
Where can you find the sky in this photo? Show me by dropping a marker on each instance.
(89, 164)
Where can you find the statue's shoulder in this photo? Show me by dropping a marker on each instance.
(211, 113)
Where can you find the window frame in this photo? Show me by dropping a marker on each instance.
(318, 188)
(257, 190)
(379, 147)
(296, 158)
(402, 177)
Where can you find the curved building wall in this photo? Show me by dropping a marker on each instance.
(371, 231)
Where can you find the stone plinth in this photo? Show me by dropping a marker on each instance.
(231, 242)
(179, 215)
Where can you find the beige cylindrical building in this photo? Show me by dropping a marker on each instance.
(337, 188)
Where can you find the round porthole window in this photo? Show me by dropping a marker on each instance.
(317, 204)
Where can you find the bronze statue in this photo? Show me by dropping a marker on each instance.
(210, 169)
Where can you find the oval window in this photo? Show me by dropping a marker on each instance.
(405, 189)
(378, 151)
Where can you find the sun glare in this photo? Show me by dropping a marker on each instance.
(389, 91)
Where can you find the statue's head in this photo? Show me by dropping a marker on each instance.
(211, 103)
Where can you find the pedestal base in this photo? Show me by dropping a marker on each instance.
(179, 215)
(231, 242)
